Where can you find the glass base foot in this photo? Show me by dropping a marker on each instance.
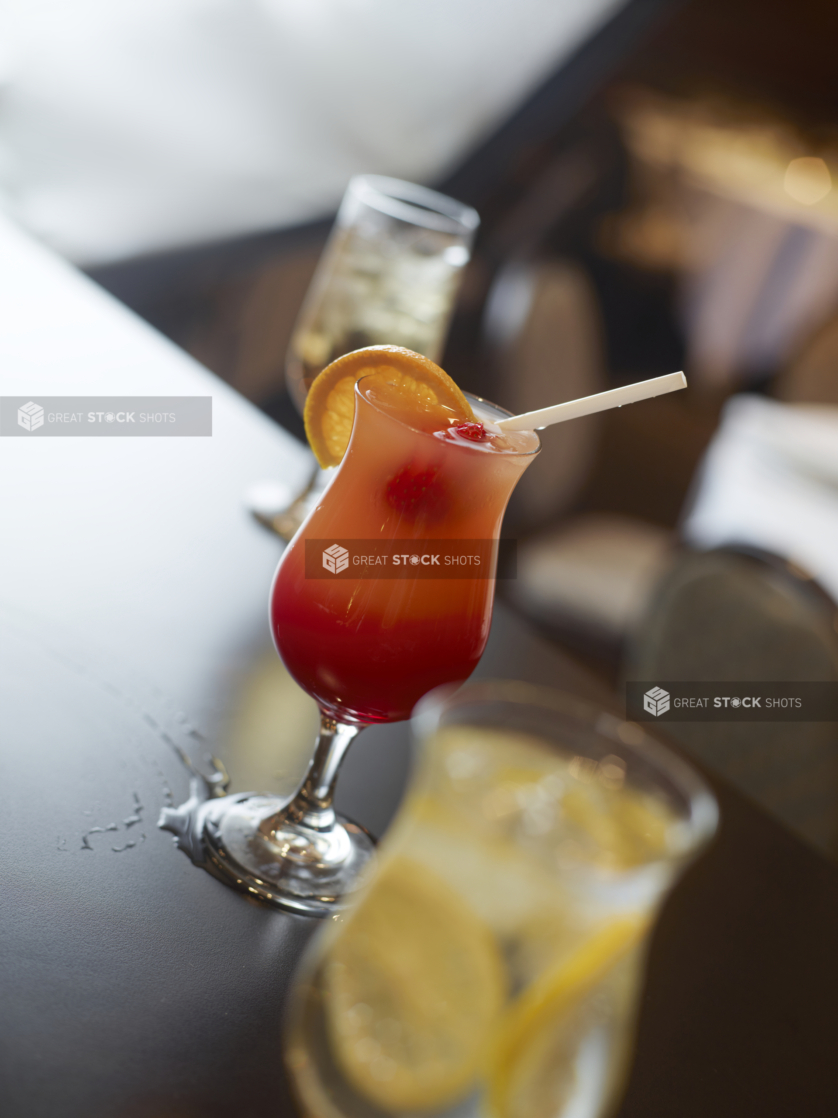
(252, 845)
(249, 843)
(293, 852)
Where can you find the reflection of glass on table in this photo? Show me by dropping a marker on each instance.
(493, 965)
(389, 275)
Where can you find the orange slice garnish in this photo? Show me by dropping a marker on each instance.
(330, 404)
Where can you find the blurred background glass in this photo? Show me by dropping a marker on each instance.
(389, 275)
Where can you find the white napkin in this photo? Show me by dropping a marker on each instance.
(770, 479)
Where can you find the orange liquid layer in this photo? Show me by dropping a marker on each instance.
(368, 649)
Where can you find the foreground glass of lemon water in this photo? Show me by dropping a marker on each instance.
(492, 963)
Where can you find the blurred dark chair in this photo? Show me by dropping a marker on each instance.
(586, 582)
(740, 614)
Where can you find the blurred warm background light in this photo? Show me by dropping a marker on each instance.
(807, 180)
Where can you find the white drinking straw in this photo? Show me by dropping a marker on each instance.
(602, 401)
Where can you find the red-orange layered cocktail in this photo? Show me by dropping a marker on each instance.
(420, 475)
(368, 648)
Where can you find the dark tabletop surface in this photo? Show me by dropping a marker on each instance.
(135, 984)
(132, 619)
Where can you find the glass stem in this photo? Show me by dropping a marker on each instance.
(312, 805)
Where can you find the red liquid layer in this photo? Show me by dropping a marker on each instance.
(360, 672)
(368, 649)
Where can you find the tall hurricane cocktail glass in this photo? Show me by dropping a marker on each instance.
(368, 648)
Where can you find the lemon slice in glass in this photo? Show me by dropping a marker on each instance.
(330, 404)
(524, 1033)
(413, 989)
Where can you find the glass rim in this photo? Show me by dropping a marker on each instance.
(471, 448)
(417, 205)
(702, 818)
